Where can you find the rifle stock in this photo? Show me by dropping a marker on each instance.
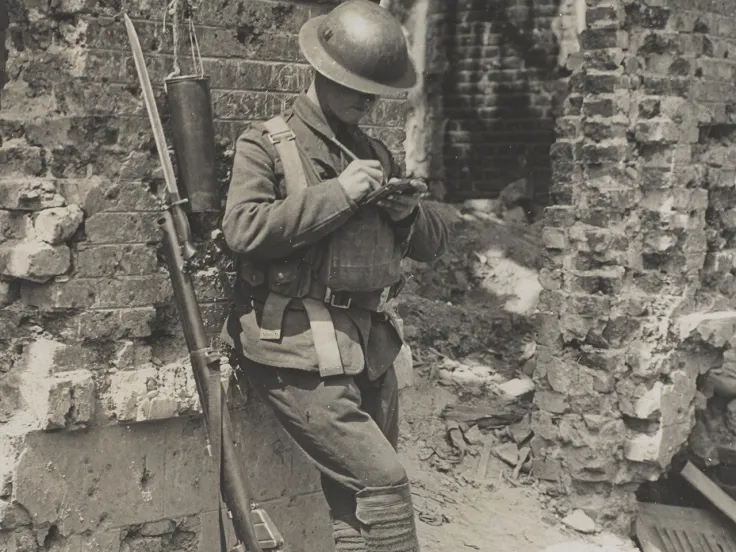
(206, 367)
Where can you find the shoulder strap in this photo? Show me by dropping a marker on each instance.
(283, 139)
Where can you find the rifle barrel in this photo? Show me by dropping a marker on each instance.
(233, 485)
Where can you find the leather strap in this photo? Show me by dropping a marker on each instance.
(325, 340)
(273, 316)
(284, 140)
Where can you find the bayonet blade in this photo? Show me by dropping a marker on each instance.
(150, 101)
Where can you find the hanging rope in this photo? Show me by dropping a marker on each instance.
(195, 46)
(186, 8)
(173, 10)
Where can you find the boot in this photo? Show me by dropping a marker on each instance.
(387, 518)
(347, 535)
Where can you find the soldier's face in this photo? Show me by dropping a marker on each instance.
(349, 106)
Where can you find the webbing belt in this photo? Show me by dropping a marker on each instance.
(320, 322)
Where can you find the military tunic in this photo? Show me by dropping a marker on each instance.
(262, 224)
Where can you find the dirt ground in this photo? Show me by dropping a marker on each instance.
(456, 512)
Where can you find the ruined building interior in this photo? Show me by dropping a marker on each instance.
(570, 360)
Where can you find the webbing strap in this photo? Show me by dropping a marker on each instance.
(284, 140)
(272, 317)
(325, 340)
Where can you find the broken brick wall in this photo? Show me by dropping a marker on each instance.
(90, 343)
(502, 89)
(639, 237)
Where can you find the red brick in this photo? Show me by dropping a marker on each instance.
(134, 291)
(71, 294)
(657, 131)
(606, 282)
(22, 161)
(99, 195)
(115, 324)
(604, 60)
(247, 105)
(604, 129)
(656, 85)
(601, 16)
(567, 127)
(601, 83)
(600, 106)
(259, 16)
(122, 228)
(29, 195)
(648, 17)
(596, 39)
(607, 152)
(112, 260)
(557, 216)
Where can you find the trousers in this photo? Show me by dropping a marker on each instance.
(348, 427)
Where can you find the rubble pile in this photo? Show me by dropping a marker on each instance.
(472, 308)
(712, 442)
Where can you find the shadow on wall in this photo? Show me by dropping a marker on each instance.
(501, 97)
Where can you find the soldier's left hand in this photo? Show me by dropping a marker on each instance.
(399, 206)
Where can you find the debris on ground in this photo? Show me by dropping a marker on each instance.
(480, 503)
(521, 431)
(517, 387)
(579, 521)
(508, 452)
(495, 413)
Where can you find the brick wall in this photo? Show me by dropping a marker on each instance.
(501, 94)
(90, 342)
(640, 264)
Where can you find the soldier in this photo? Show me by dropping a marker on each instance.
(316, 267)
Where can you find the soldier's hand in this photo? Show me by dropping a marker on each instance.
(399, 206)
(361, 177)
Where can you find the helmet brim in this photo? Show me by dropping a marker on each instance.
(325, 64)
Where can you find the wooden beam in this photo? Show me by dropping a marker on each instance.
(710, 490)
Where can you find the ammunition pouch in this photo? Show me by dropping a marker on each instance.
(293, 279)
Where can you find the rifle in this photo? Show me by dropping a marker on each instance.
(253, 527)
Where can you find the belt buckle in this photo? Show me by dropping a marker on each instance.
(333, 299)
(278, 137)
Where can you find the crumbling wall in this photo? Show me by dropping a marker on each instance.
(502, 90)
(90, 343)
(638, 236)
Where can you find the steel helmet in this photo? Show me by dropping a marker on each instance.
(361, 46)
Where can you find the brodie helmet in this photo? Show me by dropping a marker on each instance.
(361, 46)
